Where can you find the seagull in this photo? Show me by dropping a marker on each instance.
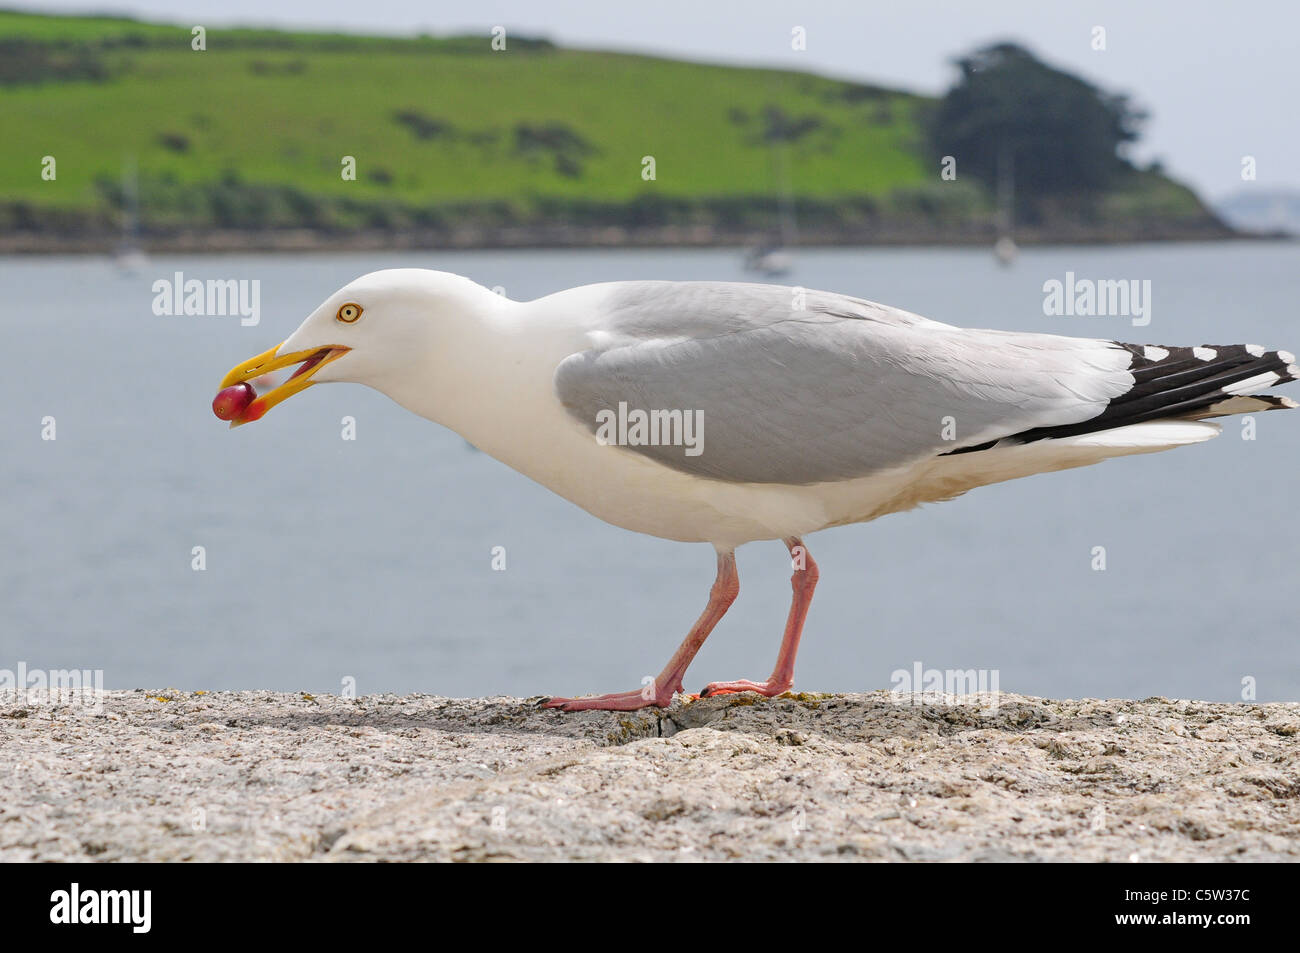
(728, 413)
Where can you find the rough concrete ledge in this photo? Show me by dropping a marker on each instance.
(169, 775)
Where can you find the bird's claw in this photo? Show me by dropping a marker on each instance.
(617, 701)
(767, 689)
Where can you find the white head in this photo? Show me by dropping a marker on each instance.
(384, 329)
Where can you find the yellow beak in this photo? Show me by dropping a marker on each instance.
(312, 360)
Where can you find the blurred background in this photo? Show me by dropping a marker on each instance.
(944, 159)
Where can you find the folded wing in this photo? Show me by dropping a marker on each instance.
(798, 387)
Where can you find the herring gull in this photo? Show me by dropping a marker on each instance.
(727, 413)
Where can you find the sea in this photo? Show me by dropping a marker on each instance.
(142, 539)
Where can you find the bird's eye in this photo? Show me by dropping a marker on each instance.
(349, 313)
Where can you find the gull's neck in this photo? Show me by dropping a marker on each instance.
(488, 373)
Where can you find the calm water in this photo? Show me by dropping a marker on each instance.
(371, 559)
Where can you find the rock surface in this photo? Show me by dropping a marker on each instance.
(169, 775)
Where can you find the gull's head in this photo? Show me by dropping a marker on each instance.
(374, 330)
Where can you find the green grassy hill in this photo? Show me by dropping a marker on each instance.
(447, 133)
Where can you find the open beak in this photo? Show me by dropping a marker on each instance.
(311, 360)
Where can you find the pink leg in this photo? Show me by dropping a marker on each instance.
(660, 692)
(804, 581)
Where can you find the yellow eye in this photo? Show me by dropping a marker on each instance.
(349, 313)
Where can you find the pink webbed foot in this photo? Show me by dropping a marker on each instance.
(615, 701)
(768, 689)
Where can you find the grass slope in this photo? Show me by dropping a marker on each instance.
(252, 131)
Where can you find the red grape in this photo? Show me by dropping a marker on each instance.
(232, 401)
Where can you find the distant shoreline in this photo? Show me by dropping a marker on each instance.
(466, 238)
(598, 149)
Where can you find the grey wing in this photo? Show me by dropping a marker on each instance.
(833, 389)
